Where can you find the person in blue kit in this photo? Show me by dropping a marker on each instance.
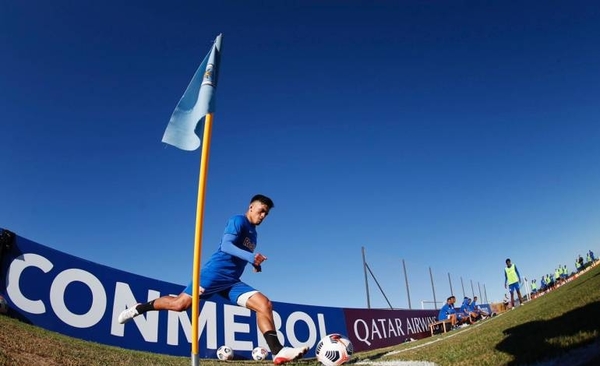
(512, 280)
(221, 276)
(448, 311)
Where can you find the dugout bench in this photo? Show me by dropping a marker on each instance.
(440, 326)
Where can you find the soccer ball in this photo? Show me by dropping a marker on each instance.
(259, 353)
(334, 350)
(3, 305)
(225, 353)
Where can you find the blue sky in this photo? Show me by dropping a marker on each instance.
(447, 134)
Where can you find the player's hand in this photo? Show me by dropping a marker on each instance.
(258, 259)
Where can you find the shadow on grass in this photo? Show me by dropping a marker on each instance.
(528, 342)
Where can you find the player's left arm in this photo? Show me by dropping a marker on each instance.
(228, 247)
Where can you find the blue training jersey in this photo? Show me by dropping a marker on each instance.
(445, 311)
(464, 306)
(235, 251)
(473, 306)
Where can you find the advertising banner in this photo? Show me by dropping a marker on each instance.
(82, 299)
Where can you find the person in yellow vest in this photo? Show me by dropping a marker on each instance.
(533, 288)
(588, 259)
(557, 279)
(512, 280)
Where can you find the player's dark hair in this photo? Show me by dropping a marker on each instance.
(264, 200)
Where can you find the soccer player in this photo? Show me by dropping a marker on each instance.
(475, 308)
(533, 288)
(558, 276)
(465, 315)
(512, 279)
(221, 276)
(448, 312)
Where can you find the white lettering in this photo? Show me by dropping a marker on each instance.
(392, 330)
(147, 323)
(290, 329)
(231, 327)
(364, 338)
(399, 326)
(322, 329)
(17, 267)
(374, 329)
(57, 300)
(380, 328)
(409, 327)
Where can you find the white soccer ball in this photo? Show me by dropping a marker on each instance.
(334, 350)
(3, 305)
(259, 353)
(225, 353)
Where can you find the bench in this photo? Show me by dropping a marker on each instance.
(435, 325)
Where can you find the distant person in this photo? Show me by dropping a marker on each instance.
(544, 286)
(221, 276)
(470, 311)
(506, 301)
(591, 254)
(550, 281)
(558, 276)
(477, 309)
(465, 313)
(448, 311)
(512, 280)
(565, 273)
(533, 288)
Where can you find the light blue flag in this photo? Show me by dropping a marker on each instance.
(197, 101)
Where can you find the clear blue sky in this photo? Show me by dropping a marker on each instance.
(449, 134)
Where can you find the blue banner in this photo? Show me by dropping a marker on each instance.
(83, 299)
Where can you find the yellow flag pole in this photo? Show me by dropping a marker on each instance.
(198, 236)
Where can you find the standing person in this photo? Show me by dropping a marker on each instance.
(588, 259)
(558, 276)
(533, 288)
(580, 260)
(512, 279)
(221, 276)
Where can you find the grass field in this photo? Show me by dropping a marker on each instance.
(559, 328)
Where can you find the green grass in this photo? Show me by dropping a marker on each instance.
(561, 321)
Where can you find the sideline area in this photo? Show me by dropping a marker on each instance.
(396, 363)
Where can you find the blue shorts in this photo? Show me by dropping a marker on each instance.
(514, 286)
(230, 291)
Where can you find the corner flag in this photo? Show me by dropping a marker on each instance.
(197, 101)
